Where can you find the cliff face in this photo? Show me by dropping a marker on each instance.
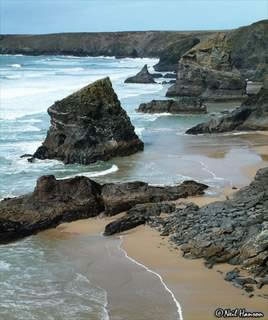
(119, 44)
(89, 125)
(215, 68)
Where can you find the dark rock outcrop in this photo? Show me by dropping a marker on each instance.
(139, 214)
(252, 115)
(122, 196)
(233, 231)
(208, 84)
(141, 77)
(89, 125)
(216, 68)
(52, 202)
(56, 201)
(171, 55)
(181, 105)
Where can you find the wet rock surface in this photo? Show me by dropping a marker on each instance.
(181, 105)
(52, 202)
(56, 201)
(252, 115)
(89, 125)
(233, 231)
(119, 197)
(142, 77)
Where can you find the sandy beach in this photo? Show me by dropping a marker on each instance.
(199, 290)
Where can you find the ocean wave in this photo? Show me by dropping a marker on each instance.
(93, 174)
(12, 77)
(15, 65)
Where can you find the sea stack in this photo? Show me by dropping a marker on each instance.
(89, 125)
(141, 77)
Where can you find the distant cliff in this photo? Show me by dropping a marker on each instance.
(119, 44)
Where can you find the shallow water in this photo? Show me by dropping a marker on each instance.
(75, 278)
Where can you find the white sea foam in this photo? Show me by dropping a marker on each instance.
(4, 266)
(15, 65)
(13, 77)
(93, 174)
(179, 309)
(139, 131)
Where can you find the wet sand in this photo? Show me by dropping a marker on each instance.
(199, 290)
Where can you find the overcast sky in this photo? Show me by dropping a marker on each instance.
(48, 16)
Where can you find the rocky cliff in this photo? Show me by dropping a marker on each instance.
(118, 44)
(168, 59)
(89, 125)
(217, 67)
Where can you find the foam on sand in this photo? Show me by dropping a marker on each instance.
(179, 309)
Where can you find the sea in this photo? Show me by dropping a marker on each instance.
(92, 277)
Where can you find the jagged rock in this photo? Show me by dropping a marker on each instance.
(89, 125)
(233, 231)
(211, 85)
(138, 215)
(171, 55)
(55, 201)
(181, 105)
(52, 202)
(141, 77)
(252, 115)
(216, 68)
(122, 196)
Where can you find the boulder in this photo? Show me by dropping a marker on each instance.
(52, 202)
(120, 197)
(181, 105)
(141, 77)
(252, 115)
(89, 125)
(138, 215)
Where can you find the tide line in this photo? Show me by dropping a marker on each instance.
(179, 309)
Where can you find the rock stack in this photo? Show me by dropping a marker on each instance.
(89, 125)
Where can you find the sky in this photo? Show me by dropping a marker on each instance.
(52, 16)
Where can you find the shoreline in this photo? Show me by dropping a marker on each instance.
(197, 289)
